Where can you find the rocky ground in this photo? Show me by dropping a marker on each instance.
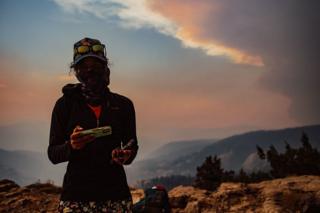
(292, 194)
(38, 197)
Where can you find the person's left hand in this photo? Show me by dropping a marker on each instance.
(120, 156)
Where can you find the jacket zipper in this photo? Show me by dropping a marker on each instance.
(97, 119)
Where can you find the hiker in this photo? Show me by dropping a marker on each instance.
(95, 180)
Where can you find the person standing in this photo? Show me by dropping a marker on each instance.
(95, 180)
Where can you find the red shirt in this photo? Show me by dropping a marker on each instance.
(96, 110)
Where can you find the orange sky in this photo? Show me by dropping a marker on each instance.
(165, 110)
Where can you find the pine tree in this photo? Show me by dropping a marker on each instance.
(261, 153)
(308, 158)
(209, 174)
(277, 163)
(301, 161)
(305, 142)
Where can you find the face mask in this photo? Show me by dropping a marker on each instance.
(94, 87)
(92, 80)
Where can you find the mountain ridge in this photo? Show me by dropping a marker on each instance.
(235, 152)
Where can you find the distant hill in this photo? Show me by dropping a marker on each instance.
(25, 136)
(175, 149)
(236, 149)
(164, 155)
(26, 167)
(235, 152)
(19, 177)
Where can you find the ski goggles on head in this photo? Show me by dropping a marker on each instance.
(88, 47)
(85, 49)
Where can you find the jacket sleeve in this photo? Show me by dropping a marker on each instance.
(59, 148)
(129, 138)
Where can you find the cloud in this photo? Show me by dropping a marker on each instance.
(285, 35)
(165, 17)
(190, 17)
(131, 13)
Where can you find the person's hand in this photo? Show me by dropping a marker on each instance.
(78, 141)
(120, 156)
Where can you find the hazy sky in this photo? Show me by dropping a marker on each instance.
(193, 68)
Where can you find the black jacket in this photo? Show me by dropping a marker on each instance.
(90, 175)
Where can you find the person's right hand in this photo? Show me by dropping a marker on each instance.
(78, 141)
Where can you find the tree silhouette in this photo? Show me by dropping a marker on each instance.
(261, 153)
(300, 161)
(209, 174)
(294, 161)
(308, 158)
